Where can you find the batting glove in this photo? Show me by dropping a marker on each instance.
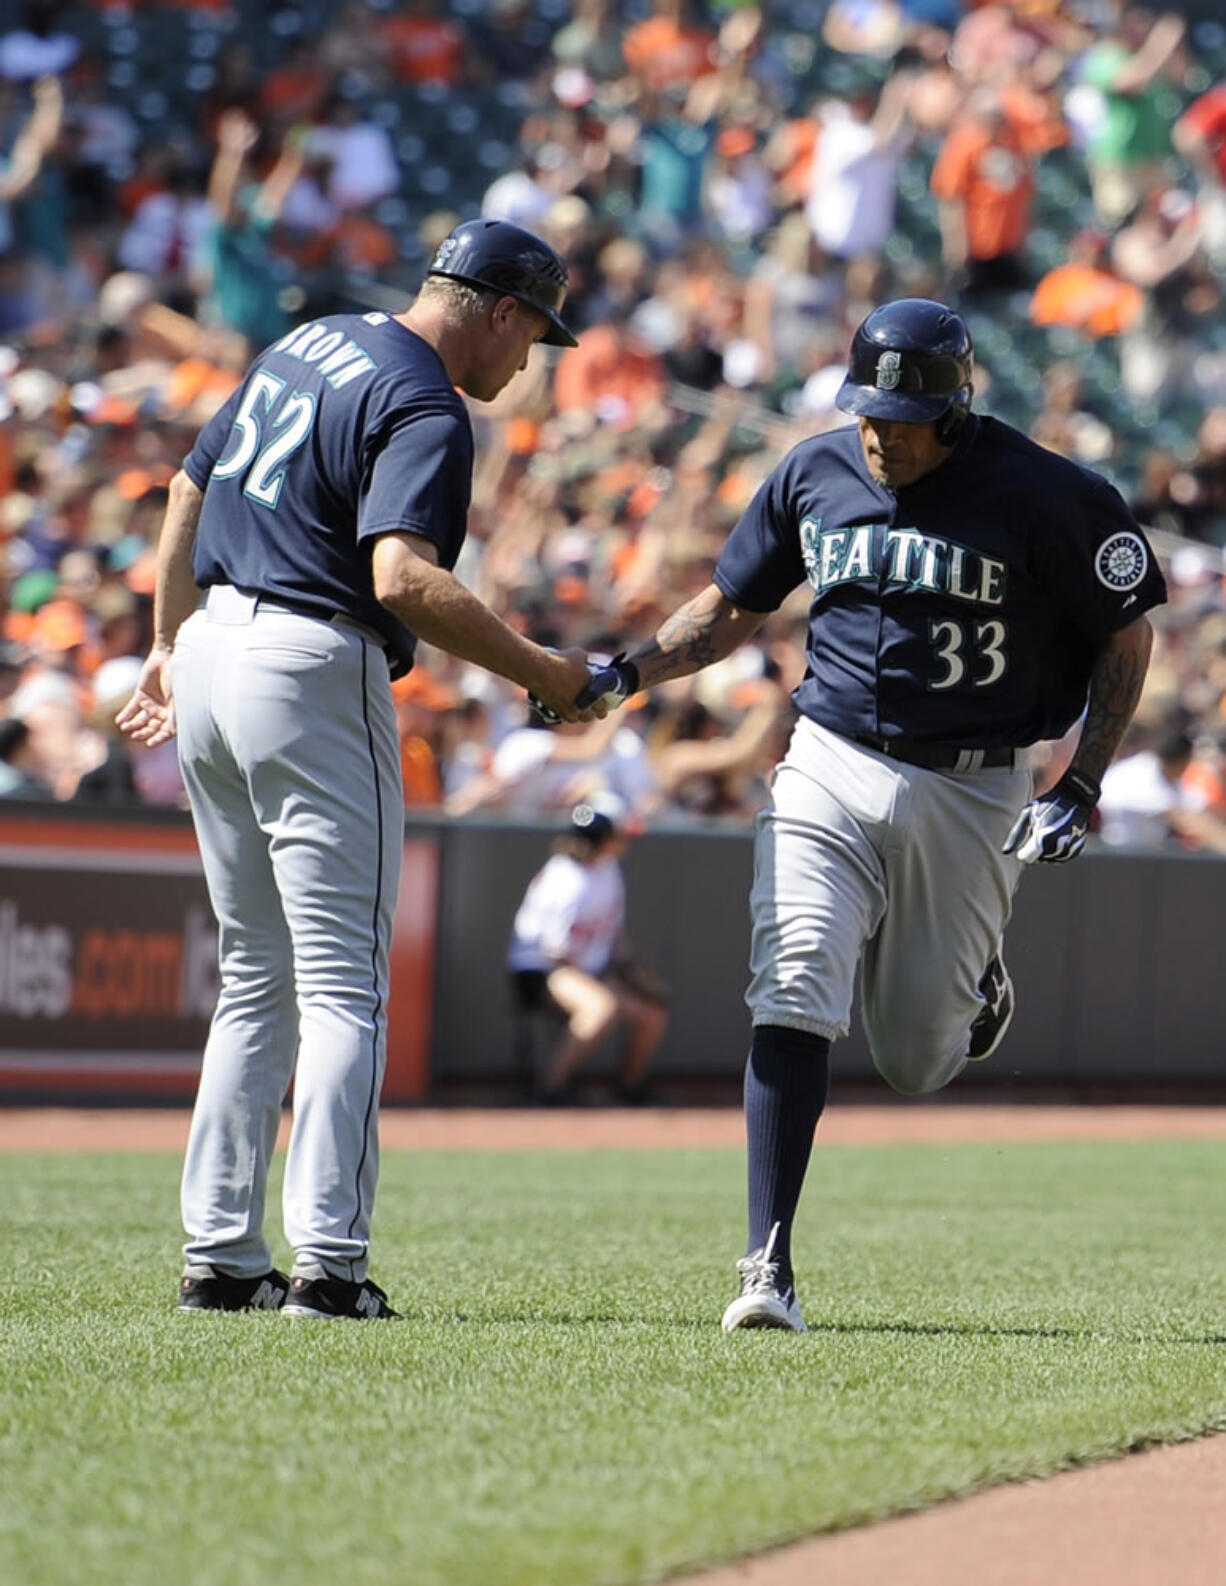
(545, 713)
(1052, 829)
(613, 684)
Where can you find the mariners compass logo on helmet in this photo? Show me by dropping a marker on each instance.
(446, 251)
(889, 371)
(1122, 561)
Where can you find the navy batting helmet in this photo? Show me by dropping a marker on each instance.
(508, 259)
(912, 360)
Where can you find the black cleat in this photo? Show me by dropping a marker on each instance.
(216, 1292)
(328, 1299)
(988, 1030)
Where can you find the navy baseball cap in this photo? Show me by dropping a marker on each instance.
(590, 825)
(508, 259)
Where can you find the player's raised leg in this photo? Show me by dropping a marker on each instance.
(933, 976)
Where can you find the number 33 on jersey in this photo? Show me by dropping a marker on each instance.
(965, 608)
(907, 558)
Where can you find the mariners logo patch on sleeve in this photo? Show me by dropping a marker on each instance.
(1122, 561)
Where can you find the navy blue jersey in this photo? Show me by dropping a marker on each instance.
(964, 609)
(345, 429)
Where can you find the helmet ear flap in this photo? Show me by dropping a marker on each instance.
(949, 425)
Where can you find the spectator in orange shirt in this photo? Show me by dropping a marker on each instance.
(424, 46)
(1205, 777)
(420, 700)
(356, 243)
(1036, 115)
(199, 384)
(668, 50)
(610, 373)
(65, 626)
(983, 182)
(296, 90)
(789, 155)
(59, 634)
(1200, 134)
(1085, 293)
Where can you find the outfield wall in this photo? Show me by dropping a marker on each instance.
(1117, 961)
(107, 959)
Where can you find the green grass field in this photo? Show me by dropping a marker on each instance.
(560, 1405)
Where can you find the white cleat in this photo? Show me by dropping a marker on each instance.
(765, 1300)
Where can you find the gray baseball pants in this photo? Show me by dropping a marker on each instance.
(290, 754)
(860, 857)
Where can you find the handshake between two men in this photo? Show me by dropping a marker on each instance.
(609, 685)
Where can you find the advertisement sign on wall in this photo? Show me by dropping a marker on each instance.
(108, 960)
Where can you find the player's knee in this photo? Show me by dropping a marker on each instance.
(595, 1016)
(917, 1068)
(908, 1083)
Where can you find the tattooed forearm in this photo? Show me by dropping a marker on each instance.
(685, 643)
(1115, 688)
(704, 630)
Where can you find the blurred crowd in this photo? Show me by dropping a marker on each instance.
(735, 187)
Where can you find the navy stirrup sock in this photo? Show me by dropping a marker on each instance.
(786, 1081)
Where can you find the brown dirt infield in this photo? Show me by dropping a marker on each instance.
(651, 1129)
(1152, 1519)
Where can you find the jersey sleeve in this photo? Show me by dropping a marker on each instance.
(420, 481)
(761, 563)
(211, 442)
(1098, 565)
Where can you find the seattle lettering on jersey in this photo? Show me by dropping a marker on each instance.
(339, 360)
(904, 557)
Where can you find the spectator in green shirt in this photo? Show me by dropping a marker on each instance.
(1126, 150)
(245, 281)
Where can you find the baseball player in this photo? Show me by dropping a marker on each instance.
(307, 547)
(972, 593)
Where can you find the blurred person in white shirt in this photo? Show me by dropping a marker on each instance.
(569, 952)
(737, 186)
(855, 170)
(535, 770)
(364, 167)
(1147, 803)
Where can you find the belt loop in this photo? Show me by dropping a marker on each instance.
(226, 604)
(969, 760)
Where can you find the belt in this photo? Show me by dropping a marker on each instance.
(240, 605)
(295, 608)
(938, 756)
